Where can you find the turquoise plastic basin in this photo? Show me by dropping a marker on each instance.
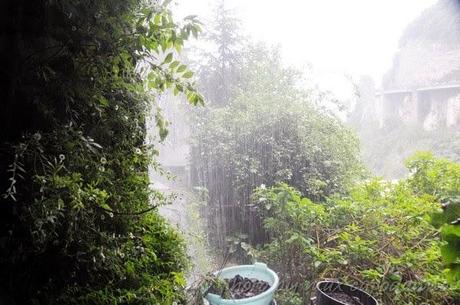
(259, 271)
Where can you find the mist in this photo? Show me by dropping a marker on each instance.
(323, 96)
(328, 44)
(221, 152)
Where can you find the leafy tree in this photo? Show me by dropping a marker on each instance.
(269, 133)
(219, 76)
(379, 237)
(78, 221)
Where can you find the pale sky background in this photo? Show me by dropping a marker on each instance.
(337, 37)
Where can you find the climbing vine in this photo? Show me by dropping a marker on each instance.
(78, 219)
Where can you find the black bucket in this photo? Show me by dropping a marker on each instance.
(325, 287)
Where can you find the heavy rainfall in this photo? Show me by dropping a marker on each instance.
(230, 152)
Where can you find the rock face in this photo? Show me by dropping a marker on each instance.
(423, 86)
(429, 50)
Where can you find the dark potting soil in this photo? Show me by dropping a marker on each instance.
(243, 287)
(345, 298)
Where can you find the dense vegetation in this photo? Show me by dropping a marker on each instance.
(440, 179)
(285, 185)
(380, 237)
(78, 221)
(280, 175)
(270, 132)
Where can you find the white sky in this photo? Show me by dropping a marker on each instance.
(338, 37)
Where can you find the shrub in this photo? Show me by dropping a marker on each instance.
(440, 178)
(379, 238)
(271, 132)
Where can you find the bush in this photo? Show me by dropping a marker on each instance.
(379, 238)
(440, 178)
(270, 133)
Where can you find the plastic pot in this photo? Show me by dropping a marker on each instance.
(325, 287)
(259, 271)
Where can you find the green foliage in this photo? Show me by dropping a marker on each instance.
(288, 297)
(218, 286)
(270, 133)
(78, 221)
(207, 283)
(379, 238)
(219, 65)
(441, 179)
(438, 177)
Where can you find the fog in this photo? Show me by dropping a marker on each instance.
(338, 39)
(198, 152)
(338, 47)
(310, 101)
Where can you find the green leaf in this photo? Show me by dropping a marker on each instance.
(103, 101)
(453, 273)
(395, 277)
(105, 206)
(449, 231)
(168, 58)
(181, 68)
(174, 64)
(164, 20)
(157, 19)
(188, 74)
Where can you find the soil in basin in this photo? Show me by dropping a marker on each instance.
(243, 287)
(345, 298)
